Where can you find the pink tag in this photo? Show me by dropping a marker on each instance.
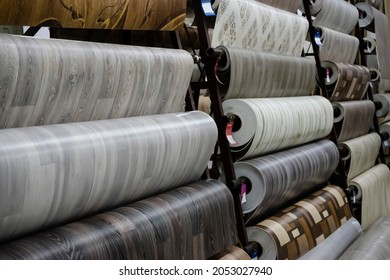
(229, 133)
(243, 194)
(327, 75)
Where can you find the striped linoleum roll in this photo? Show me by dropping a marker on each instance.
(53, 174)
(232, 253)
(345, 81)
(252, 25)
(360, 154)
(373, 189)
(278, 178)
(192, 222)
(291, 5)
(383, 112)
(251, 74)
(335, 14)
(353, 118)
(337, 46)
(334, 246)
(95, 14)
(47, 81)
(297, 229)
(267, 125)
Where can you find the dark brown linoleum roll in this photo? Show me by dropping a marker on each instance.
(53, 174)
(192, 222)
(353, 118)
(346, 81)
(295, 230)
(47, 81)
(95, 14)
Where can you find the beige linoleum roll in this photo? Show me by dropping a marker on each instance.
(373, 188)
(232, 253)
(383, 113)
(252, 74)
(359, 154)
(252, 25)
(47, 81)
(290, 5)
(297, 229)
(337, 46)
(353, 118)
(192, 222)
(335, 14)
(346, 81)
(270, 124)
(278, 178)
(52, 174)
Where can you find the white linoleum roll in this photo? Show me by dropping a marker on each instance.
(383, 113)
(271, 124)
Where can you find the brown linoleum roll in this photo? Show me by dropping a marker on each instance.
(346, 81)
(53, 174)
(267, 125)
(252, 25)
(360, 154)
(192, 222)
(278, 178)
(95, 14)
(252, 74)
(232, 253)
(47, 81)
(291, 5)
(335, 14)
(373, 189)
(337, 46)
(297, 229)
(383, 113)
(353, 118)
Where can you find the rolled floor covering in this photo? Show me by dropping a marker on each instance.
(297, 229)
(271, 124)
(383, 113)
(291, 5)
(192, 222)
(333, 247)
(47, 81)
(252, 25)
(374, 244)
(232, 253)
(50, 175)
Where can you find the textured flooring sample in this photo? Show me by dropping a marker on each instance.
(192, 222)
(46, 81)
(95, 14)
(297, 229)
(53, 174)
(353, 118)
(232, 253)
(337, 46)
(360, 154)
(345, 81)
(251, 74)
(333, 247)
(252, 25)
(278, 178)
(374, 191)
(335, 14)
(290, 5)
(374, 244)
(271, 124)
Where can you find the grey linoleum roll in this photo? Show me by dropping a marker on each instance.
(383, 113)
(346, 81)
(280, 177)
(52, 174)
(272, 124)
(192, 222)
(47, 81)
(337, 46)
(374, 190)
(353, 118)
(333, 247)
(251, 74)
(360, 154)
(335, 14)
(374, 244)
(290, 5)
(376, 3)
(252, 25)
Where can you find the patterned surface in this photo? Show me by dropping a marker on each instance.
(253, 25)
(300, 227)
(192, 222)
(57, 173)
(95, 14)
(290, 5)
(232, 253)
(45, 81)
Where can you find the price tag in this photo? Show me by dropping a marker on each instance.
(327, 75)
(207, 8)
(317, 38)
(243, 193)
(229, 133)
